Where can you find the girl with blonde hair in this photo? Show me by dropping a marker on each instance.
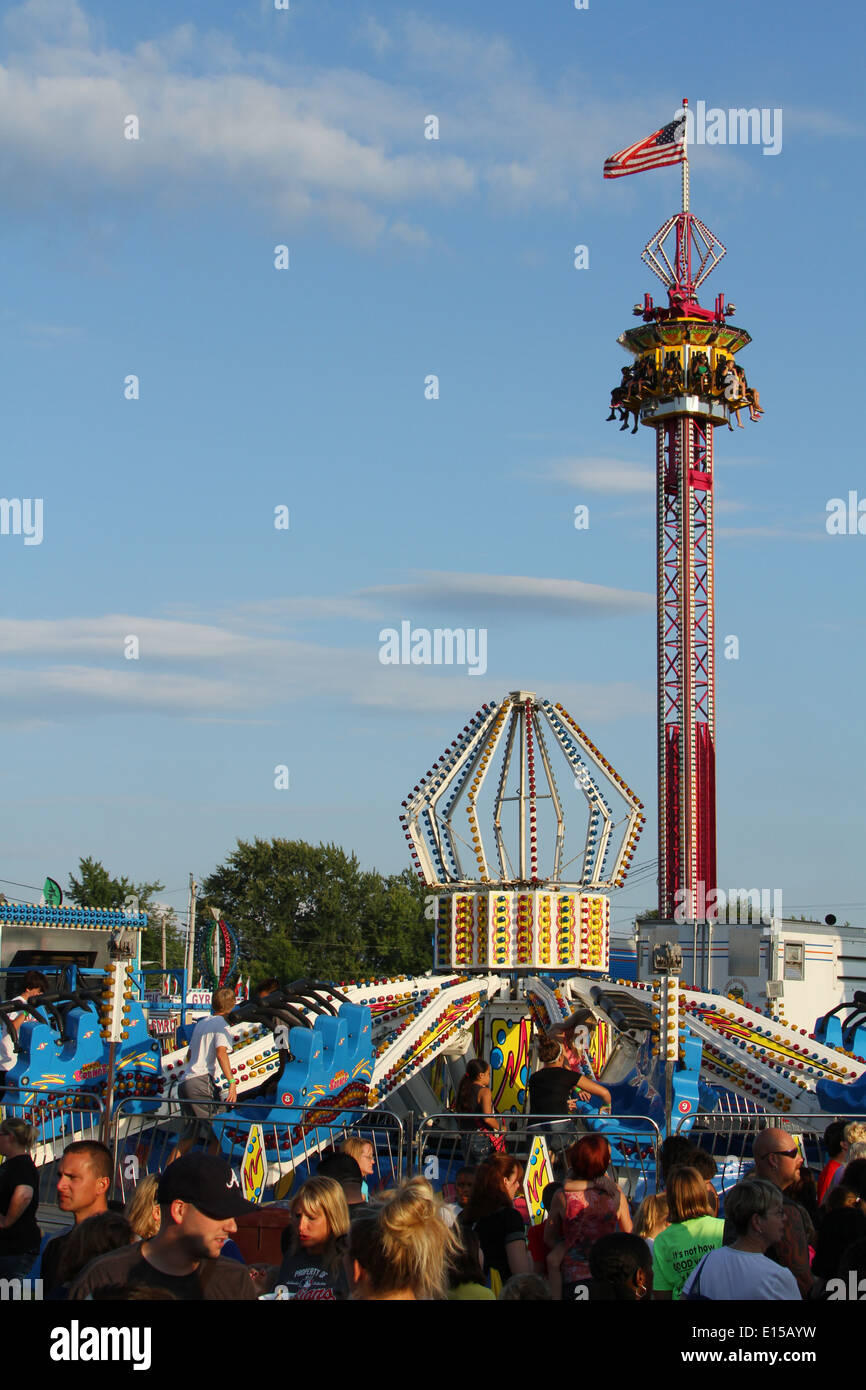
(142, 1209)
(403, 1252)
(312, 1267)
(651, 1217)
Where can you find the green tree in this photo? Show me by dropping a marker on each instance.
(95, 887)
(310, 910)
(398, 935)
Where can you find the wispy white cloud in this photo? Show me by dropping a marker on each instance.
(70, 690)
(514, 594)
(725, 506)
(47, 333)
(824, 123)
(342, 144)
(271, 613)
(244, 667)
(595, 474)
(771, 533)
(105, 636)
(448, 592)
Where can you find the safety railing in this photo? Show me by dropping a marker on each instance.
(59, 1118)
(286, 1146)
(729, 1137)
(445, 1142)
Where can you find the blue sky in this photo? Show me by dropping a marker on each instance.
(305, 388)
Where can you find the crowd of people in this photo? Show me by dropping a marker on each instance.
(780, 1233)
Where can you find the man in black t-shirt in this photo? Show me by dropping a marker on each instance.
(19, 1199)
(199, 1198)
(83, 1180)
(550, 1088)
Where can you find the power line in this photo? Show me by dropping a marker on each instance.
(13, 884)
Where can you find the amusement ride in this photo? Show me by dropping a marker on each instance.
(520, 830)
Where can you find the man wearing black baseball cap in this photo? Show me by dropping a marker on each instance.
(199, 1198)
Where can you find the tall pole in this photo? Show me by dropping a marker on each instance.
(687, 717)
(522, 803)
(685, 154)
(190, 941)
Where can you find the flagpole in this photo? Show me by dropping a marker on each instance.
(685, 155)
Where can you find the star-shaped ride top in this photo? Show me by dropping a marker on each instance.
(524, 736)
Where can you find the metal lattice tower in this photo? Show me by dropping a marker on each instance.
(683, 384)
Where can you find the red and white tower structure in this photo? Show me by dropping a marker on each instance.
(684, 384)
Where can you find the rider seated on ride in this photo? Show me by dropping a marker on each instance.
(699, 374)
(672, 374)
(619, 393)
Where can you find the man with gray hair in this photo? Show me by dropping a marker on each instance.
(778, 1160)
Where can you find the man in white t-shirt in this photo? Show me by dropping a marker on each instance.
(35, 984)
(742, 1270)
(208, 1055)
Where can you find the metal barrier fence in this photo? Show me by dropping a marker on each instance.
(447, 1141)
(145, 1143)
(60, 1118)
(729, 1137)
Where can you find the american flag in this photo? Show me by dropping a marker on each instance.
(663, 147)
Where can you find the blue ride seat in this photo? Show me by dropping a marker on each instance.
(322, 1065)
(842, 1096)
(828, 1030)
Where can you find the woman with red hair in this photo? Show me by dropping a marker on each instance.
(588, 1206)
(490, 1214)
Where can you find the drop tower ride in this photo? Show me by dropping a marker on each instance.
(684, 383)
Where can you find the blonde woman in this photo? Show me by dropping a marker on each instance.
(853, 1134)
(312, 1267)
(402, 1253)
(19, 1198)
(142, 1209)
(364, 1155)
(426, 1191)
